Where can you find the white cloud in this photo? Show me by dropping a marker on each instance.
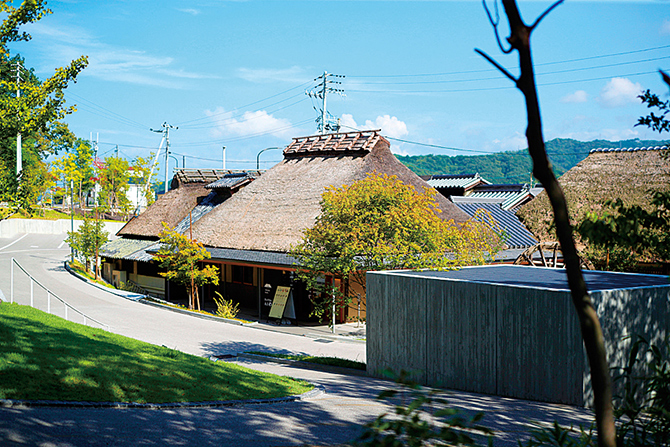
(390, 125)
(248, 123)
(619, 92)
(665, 27)
(293, 74)
(576, 97)
(109, 62)
(193, 12)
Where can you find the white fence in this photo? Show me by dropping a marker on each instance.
(22, 291)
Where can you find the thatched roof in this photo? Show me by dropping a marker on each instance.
(271, 213)
(628, 174)
(170, 208)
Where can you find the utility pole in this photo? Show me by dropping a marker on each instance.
(19, 155)
(224, 158)
(166, 134)
(116, 151)
(321, 91)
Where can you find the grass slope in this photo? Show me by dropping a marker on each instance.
(46, 357)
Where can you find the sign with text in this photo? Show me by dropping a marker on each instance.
(279, 302)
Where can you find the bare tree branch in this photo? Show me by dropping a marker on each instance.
(544, 14)
(497, 65)
(592, 335)
(494, 24)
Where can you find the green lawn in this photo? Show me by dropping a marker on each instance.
(46, 357)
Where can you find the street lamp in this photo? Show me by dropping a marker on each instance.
(259, 155)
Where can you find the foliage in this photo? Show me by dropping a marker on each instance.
(180, 255)
(36, 113)
(380, 223)
(45, 357)
(226, 308)
(513, 166)
(141, 175)
(87, 241)
(643, 233)
(642, 411)
(114, 176)
(427, 419)
(76, 167)
(659, 122)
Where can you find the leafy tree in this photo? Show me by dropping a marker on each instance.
(180, 256)
(36, 113)
(114, 176)
(87, 240)
(380, 223)
(76, 167)
(141, 168)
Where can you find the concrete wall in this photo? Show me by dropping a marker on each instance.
(498, 339)
(10, 227)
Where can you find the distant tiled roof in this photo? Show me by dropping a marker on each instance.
(334, 143)
(184, 175)
(127, 249)
(518, 234)
(456, 181)
(230, 181)
(628, 149)
(252, 256)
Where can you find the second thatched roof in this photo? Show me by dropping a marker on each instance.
(629, 174)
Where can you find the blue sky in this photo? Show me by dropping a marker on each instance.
(234, 73)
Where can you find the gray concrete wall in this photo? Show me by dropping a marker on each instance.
(11, 227)
(495, 339)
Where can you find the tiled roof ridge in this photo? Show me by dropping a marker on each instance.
(359, 141)
(448, 176)
(628, 149)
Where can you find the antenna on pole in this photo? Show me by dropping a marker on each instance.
(166, 136)
(324, 121)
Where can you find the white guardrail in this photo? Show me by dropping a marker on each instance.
(87, 319)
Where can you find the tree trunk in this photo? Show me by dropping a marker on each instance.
(588, 319)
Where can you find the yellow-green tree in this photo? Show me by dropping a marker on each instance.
(114, 176)
(380, 223)
(142, 176)
(180, 255)
(30, 107)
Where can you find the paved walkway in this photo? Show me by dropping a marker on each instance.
(328, 419)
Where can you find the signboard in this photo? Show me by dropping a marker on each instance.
(279, 302)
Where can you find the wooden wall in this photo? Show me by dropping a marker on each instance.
(494, 339)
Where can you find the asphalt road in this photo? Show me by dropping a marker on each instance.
(331, 418)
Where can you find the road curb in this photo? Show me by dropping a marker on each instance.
(15, 403)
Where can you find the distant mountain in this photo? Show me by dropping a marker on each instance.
(515, 166)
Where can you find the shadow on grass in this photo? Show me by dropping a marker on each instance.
(44, 357)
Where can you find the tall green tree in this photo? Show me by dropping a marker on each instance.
(113, 176)
(29, 106)
(380, 223)
(87, 240)
(76, 166)
(142, 176)
(180, 255)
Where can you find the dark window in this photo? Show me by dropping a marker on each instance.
(244, 275)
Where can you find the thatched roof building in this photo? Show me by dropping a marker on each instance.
(189, 188)
(270, 213)
(628, 174)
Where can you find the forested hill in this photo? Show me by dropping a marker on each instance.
(514, 166)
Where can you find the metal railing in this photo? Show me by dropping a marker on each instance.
(50, 295)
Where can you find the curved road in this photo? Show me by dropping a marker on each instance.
(331, 418)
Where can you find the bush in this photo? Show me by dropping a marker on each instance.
(226, 308)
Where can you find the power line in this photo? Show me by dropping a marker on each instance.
(581, 59)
